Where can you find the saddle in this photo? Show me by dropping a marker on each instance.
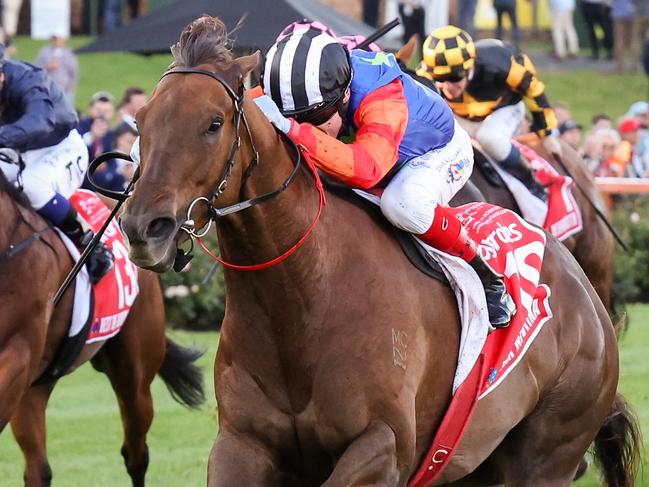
(487, 169)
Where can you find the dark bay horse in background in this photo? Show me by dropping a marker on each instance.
(593, 247)
(306, 384)
(31, 330)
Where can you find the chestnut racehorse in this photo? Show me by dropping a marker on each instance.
(307, 389)
(33, 263)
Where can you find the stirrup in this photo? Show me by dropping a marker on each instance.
(100, 262)
(538, 190)
(500, 305)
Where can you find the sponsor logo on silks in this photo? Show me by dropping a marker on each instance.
(379, 59)
(456, 170)
(503, 234)
(493, 373)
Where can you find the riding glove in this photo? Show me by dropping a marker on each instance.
(135, 150)
(267, 105)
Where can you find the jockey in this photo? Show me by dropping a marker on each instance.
(487, 85)
(39, 123)
(406, 139)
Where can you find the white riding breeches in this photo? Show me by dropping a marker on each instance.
(410, 199)
(494, 133)
(56, 169)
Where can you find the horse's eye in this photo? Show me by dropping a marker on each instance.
(215, 126)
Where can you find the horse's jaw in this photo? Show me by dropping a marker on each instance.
(157, 257)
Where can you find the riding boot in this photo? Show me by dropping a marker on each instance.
(499, 303)
(448, 235)
(517, 166)
(101, 259)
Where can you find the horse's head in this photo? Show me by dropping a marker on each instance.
(187, 138)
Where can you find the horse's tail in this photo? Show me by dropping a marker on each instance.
(183, 377)
(618, 445)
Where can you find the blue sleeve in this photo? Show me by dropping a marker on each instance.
(37, 121)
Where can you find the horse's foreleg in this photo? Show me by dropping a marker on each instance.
(131, 370)
(14, 377)
(370, 460)
(131, 384)
(241, 460)
(28, 426)
(131, 360)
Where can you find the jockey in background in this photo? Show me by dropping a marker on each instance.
(405, 139)
(39, 123)
(487, 85)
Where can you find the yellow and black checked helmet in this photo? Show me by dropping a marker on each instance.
(449, 53)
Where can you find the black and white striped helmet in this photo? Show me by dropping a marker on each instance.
(306, 71)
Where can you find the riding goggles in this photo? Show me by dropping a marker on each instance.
(318, 115)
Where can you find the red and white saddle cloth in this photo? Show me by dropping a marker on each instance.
(115, 293)
(515, 249)
(560, 216)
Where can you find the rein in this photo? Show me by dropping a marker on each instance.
(14, 249)
(265, 265)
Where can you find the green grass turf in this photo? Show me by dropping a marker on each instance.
(84, 429)
(84, 432)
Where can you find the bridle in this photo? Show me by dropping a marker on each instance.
(182, 256)
(237, 118)
(14, 249)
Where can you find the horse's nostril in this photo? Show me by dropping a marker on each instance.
(161, 228)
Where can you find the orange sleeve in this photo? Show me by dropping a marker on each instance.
(256, 92)
(381, 119)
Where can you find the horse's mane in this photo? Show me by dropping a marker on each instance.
(16, 194)
(205, 41)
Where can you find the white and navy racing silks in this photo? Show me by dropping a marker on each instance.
(36, 113)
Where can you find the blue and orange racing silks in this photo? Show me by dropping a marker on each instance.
(393, 119)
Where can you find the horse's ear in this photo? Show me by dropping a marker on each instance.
(406, 52)
(248, 63)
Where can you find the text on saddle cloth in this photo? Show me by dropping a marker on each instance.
(116, 292)
(515, 249)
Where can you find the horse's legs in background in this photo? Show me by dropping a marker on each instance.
(546, 448)
(14, 376)
(603, 284)
(545, 436)
(131, 360)
(28, 425)
(371, 459)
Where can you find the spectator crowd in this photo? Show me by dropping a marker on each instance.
(617, 30)
(616, 148)
(108, 126)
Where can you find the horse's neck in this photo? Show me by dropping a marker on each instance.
(267, 230)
